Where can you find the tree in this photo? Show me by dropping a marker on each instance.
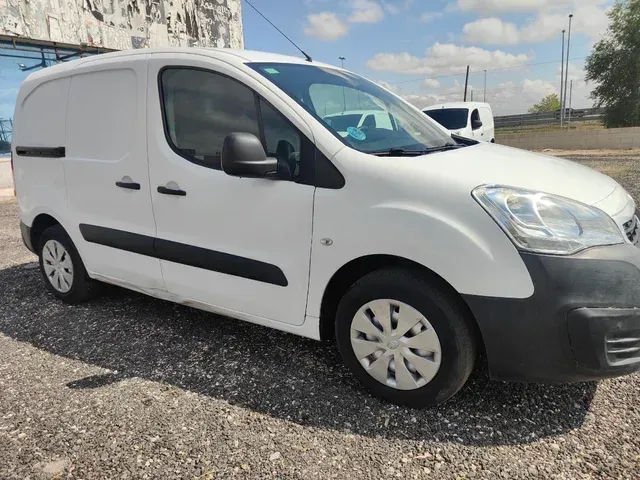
(614, 66)
(550, 103)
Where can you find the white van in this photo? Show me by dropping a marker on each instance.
(467, 119)
(208, 177)
(359, 118)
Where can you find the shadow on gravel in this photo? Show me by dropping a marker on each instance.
(270, 372)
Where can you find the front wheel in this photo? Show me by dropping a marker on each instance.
(405, 338)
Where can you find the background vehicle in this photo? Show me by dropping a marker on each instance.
(359, 118)
(467, 119)
(570, 113)
(223, 185)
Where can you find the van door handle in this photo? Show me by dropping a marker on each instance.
(171, 191)
(128, 185)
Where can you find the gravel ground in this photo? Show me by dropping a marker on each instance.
(132, 387)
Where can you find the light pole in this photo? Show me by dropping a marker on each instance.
(485, 86)
(562, 82)
(344, 94)
(566, 70)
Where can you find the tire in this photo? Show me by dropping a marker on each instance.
(73, 284)
(445, 315)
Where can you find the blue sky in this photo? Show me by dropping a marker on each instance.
(420, 48)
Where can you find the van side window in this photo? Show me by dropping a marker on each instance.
(201, 108)
(370, 121)
(475, 118)
(282, 139)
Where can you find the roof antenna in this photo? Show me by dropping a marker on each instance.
(309, 59)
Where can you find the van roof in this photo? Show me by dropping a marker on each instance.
(456, 105)
(226, 54)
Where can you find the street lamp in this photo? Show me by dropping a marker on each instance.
(342, 59)
(566, 70)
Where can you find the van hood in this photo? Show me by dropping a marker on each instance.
(496, 164)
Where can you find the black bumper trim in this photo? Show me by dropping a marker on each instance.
(25, 231)
(605, 339)
(558, 334)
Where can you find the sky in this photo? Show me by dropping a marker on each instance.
(420, 48)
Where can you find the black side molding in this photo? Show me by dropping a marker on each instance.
(185, 254)
(109, 237)
(220, 262)
(46, 152)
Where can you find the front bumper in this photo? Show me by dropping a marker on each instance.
(581, 323)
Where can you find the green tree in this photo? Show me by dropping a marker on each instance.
(614, 66)
(550, 103)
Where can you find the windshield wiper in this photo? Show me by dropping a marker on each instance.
(401, 152)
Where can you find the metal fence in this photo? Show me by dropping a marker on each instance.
(547, 118)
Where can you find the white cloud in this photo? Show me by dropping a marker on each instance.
(389, 86)
(395, 8)
(423, 101)
(427, 17)
(325, 26)
(591, 22)
(491, 31)
(487, 7)
(431, 83)
(444, 59)
(506, 98)
(365, 11)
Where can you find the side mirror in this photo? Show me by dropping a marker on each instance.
(476, 124)
(243, 156)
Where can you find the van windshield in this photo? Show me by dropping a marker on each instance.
(450, 118)
(360, 113)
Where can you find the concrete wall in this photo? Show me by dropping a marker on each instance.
(6, 178)
(615, 138)
(125, 24)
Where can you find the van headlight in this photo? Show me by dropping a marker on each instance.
(543, 223)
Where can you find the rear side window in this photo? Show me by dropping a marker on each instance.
(44, 110)
(201, 108)
(102, 126)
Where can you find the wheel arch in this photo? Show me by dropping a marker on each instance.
(357, 268)
(40, 223)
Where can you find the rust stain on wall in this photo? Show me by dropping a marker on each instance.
(125, 24)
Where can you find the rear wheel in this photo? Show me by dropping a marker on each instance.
(62, 268)
(405, 338)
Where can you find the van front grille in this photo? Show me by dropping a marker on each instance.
(631, 229)
(623, 346)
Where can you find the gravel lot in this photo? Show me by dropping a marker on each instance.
(132, 387)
